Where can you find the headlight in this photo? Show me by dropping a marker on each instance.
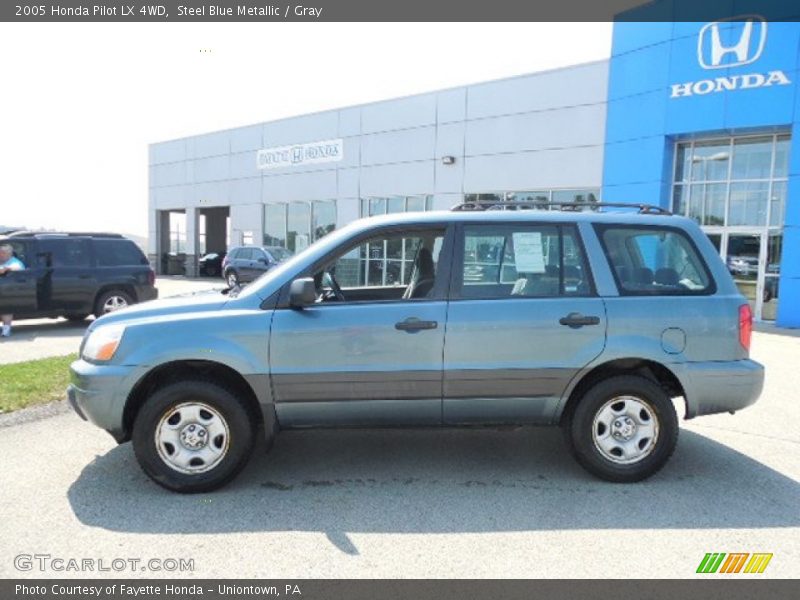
(102, 343)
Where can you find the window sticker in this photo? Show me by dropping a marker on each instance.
(528, 252)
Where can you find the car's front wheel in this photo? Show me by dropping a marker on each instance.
(193, 436)
(624, 429)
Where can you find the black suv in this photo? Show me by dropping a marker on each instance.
(74, 275)
(243, 264)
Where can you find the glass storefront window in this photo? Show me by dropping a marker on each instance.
(781, 156)
(736, 189)
(752, 158)
(298, 226)
(577, 196)
(683, 163)
(777, 203)
(709, 161)
(748, 203)
(275, 225)
(324, 215)
(707, 203)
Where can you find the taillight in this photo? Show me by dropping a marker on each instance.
(151, 277)
(745, 326)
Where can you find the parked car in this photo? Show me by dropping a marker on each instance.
(594, 321)
(210, 264)
(74, 275)
(743, 265)
(244, 264)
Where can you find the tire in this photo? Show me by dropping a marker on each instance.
(624, 429)
(197, 462)
(232, 278)
(110, 301)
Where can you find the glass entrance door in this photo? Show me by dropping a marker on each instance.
(754, 260)
(743, 256)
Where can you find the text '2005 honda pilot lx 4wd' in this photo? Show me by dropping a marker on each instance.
(593, 320)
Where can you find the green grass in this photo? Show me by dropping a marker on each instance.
(34, 382)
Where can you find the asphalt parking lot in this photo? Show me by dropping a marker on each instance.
(419, 503)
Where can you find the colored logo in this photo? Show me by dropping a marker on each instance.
(732, 42)
(735, 562)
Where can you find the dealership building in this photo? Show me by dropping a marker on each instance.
(700, 118)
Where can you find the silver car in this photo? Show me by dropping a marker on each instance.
(595, 321)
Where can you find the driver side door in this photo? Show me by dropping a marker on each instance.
(373, 358)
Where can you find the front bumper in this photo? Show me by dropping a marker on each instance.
(721, 386)
(97, 393)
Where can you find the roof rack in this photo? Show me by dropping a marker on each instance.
(479, 205)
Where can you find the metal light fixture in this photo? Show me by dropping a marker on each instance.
(448, 160)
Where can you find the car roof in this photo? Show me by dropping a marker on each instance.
(44, 235)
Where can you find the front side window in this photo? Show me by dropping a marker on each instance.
(522, 261)
(656, 261)
(387, 267)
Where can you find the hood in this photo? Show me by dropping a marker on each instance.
(204, 301)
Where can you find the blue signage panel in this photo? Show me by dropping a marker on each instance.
(671, 81)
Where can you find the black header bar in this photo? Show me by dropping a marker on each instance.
(376, 10)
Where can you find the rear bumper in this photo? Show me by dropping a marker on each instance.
(146, 292)
(724, 386)
(97, 393)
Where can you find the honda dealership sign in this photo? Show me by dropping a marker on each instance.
(300, 154)
(727, 44)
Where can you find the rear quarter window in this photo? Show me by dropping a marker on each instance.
(118, 253)
(654, 261)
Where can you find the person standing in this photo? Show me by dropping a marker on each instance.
(8, 262)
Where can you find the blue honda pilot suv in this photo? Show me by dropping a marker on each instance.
(489, 314)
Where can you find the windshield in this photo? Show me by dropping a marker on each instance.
(279, 253)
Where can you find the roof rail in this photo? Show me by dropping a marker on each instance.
(65, 234)
(479, 205)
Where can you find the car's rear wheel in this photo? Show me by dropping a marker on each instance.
(624, 429)
(111, 301)
(193, 436)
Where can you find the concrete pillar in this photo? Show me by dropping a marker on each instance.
(216, 229)
(162, 241)
(192, 229)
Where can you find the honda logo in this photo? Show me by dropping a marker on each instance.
(731, 42)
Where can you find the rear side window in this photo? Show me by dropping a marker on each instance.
(118, 253)
(654, 261)
(523, 260)
(64, 252)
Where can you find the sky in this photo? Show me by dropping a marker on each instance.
(81, 102)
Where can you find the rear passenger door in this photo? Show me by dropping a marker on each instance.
(522, 321)
(68, 282)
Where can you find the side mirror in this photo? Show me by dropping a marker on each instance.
(302, 292)
(263, 260)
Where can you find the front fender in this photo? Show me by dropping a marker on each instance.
(237, 339)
